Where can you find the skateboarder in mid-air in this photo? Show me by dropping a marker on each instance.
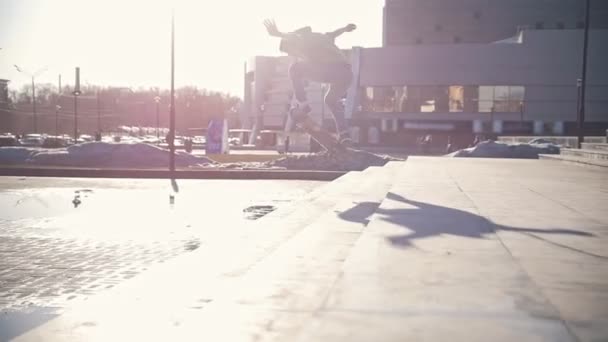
(318, 60)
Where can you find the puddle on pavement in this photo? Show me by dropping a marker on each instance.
(257, 211)
(16, 323)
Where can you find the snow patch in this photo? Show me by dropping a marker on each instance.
(100, 154)
(492, 149)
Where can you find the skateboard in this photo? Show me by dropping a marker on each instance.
(326, 139)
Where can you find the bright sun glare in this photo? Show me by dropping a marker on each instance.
(126, 43)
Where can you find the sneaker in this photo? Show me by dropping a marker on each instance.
(299, 113)
(345, 139)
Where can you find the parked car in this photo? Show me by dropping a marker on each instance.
(9, 140)
(55, 142)
(32, 140)
(86, 138)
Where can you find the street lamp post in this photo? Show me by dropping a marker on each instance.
(157, 100)
(98, 115)
(33, 92)
(172, 112)
(76, 93)
(521, 116)
(57, 108)
(583, 83)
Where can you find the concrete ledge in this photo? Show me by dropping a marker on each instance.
(599, 163)
(161, 174)
(567, 141)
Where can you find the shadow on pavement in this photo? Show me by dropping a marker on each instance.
(428, 220)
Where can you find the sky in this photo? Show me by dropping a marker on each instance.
(127, 42)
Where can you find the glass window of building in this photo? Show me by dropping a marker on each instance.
(486, 98)
(516, 98)
(506, 99)
(384, 99)
(501, 99)
(456, 98)
(400, 102)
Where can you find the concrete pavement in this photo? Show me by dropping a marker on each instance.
(430, 249)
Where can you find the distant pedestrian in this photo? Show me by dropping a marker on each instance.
(448, 148)
(476, 141)
(426, 143)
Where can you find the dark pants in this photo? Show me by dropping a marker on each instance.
(337, 75)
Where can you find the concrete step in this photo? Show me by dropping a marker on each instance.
(584, 153)
(575, 160)
(595, 146)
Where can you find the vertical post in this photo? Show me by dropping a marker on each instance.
(76, 93)
(581, 108)
(57, 108)
(157, 121)
(492, 120)
(172, 112)
(75, 118)
(98, 115)
(59, 85)
(521, 117)
(323, 105)
(34, 106)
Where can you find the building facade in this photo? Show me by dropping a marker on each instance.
(493, 81)
(409, 22)
(526, 85)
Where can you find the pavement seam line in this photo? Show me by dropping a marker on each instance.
(521, 267)
(563, 205)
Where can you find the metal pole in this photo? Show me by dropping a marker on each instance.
(59, 86)
(157, 121)
(34, 106)
(521, 117)
(98, 115)
(57, 120)
(323, 105)
(75, 119)
(581, 109)
(172, 112)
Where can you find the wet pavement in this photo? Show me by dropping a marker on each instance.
(432, 249)
(63, 240)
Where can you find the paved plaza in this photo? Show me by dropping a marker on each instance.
(431, 249)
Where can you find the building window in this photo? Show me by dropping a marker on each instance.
(384, 99)
(560, 25)
(539, 25)
(486, 98)
(456, 94)
(426, 99)
(442, 99)
(500, 98)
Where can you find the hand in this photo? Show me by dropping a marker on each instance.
(272, 29)
(350, 27)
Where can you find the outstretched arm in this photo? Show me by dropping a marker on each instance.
(338, 32)
(272, 29)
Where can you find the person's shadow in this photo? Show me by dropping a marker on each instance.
(427, 220)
